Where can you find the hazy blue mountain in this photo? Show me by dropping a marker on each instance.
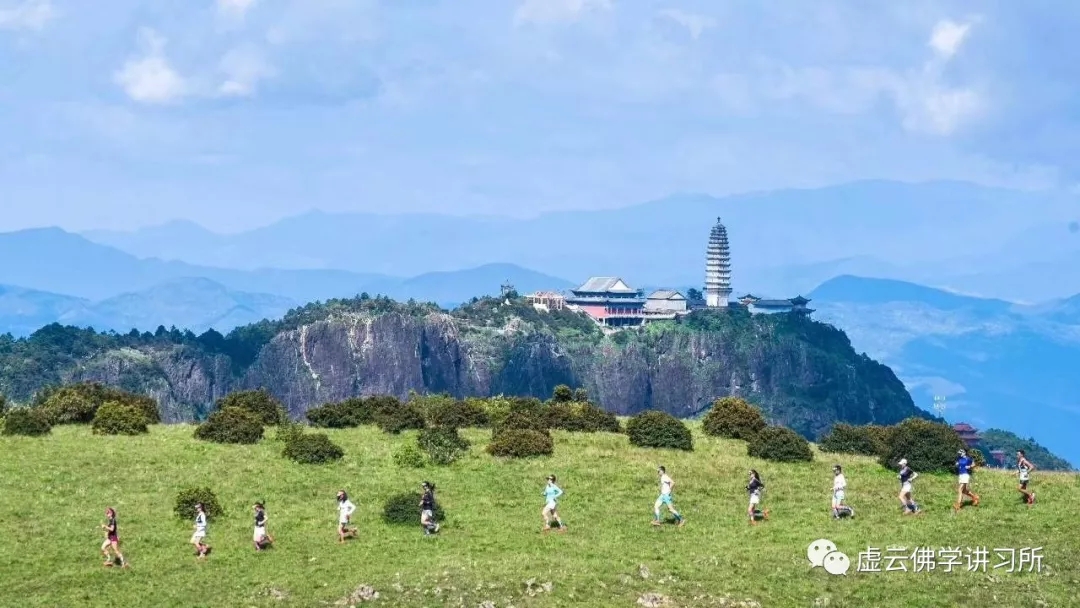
(782, 242)
(998, 364)
(448, 289)
(23, 311)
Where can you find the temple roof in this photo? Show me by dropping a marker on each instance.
(749, 296)
(666, 294)
(606, 285)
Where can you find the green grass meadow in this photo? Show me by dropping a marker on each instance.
(54, 490)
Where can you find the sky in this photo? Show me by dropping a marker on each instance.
(234, 113)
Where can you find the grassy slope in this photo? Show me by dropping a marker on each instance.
(53, 491)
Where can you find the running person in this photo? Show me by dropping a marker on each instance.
(260, 537)
(755, 487)
(1024, 467)
(839, 486)
(964, 466)
(427, 509)
(198, 539)
(907, 476)
(112, 540)
(667, 484)
(551, 508)
(345, 511)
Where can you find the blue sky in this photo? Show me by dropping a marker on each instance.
(233, 113)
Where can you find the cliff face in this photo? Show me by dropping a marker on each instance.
(804, 374)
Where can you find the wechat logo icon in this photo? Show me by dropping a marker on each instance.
(823, 553)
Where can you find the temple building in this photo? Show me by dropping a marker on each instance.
(718, 268)
(547, 301)
(608, 301)
(759, 306)
(968, 434)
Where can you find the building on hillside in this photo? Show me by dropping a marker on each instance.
(998, 456)
(718, 268)
(609, 301)
(666, 300)
(758, 305)
(547, 301)
(968, 434)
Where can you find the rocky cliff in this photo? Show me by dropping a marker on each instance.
(804, 374)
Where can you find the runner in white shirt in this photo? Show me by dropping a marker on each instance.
(345, 511)
(199, 537)
(666, 486)
(838, 494)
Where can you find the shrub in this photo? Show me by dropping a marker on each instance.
(3, 405)
(581, 395)
(404, 509)
(313, 448)
(115, 418)
(189, 497)
(848, 439)
(349, 413)
(779, 444)
(928, 446)
(977, 457)
(562, 394)
(456, 414)
(69, 405)
(582, 418)
(733, 418)
(260, 402)
(402, 417)
(288, 431)
(231, 425)
(409, 456)
(26, 421)
(653, 429)
(443, 444)
(497, 408)
(520, 443)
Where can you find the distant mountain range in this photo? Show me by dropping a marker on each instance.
(62, 277)
(998, 364)
(950, 234)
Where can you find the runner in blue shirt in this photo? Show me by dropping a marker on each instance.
(551, 507)
(964, 466)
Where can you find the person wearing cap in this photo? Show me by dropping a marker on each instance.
(1024, 467)
(427, 509)
(345, 511)
(260, 537)
(666, 486)
(907, 476)
(964, 466)
(550, 512)
(838, 493)
(198, 539)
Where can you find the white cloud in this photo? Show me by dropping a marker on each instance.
(148, 77)
(948, 36)
(696, 24)
(243, 68)
(557, 11)
(28, 15)
(235, 9)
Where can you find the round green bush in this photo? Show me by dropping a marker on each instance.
(115, 418)
(849, 439)
(189, 497)
(928, 446)
(456, 413)
(520, 443)
(562, 394)
(581, 417)
(3, 405)
(410, 456)
(231, 425)
(977, 457)
(26, 421)
(313, 448)
(69, 405)
(442, 444)
(779, 444)
(497, 408)
(352, 412)
(733, 418)
(404, 509)
(260, 402)
(654, 429)
(403, 417)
